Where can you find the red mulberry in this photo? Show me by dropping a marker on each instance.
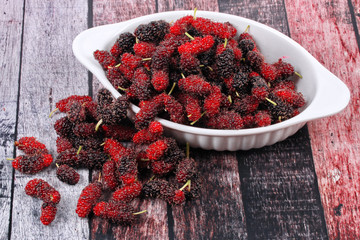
(29, 145)
(67, 174)
(128, 192)
(31, 164)
(88, 198)
(105, 59)
(195, 84)
(150, 134)
(48, 212)
(41, 189)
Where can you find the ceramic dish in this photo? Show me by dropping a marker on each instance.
(324, 93)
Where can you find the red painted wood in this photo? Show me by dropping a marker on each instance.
(335, 140)
(172, 5)
(113, 11)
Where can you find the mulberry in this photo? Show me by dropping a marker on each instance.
(48, 213)
(29, 145)
(88, 198)
(67, 174)
(41, 189)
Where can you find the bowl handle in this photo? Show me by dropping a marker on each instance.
(332, 95)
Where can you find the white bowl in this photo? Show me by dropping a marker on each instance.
(324, 93)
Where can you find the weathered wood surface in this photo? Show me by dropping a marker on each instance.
(49, 72)
(11, 18)
(258, 194)
(335, 140)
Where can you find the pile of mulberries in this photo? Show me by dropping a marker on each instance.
(209, 71)
(92, 135)
(132, 163)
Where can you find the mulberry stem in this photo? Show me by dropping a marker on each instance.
(172, 88)
(192, 123)
(191, 37)
(271, 101)
(247, 28)
(78, 151)
(52, 112)
(187, 184)
(98, 124)
(298, 74)
(141, 212)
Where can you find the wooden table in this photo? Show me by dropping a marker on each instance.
(306, 187)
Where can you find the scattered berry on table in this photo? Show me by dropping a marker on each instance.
(67, 174)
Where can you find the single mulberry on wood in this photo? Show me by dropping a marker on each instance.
(48, 213)
(109, 175)
(117, 212)
(67, 174)
(29, 145)
(64, 104)
(185, 170)
(128, 192)
(88, 198)
(41, 189)
(31, 164)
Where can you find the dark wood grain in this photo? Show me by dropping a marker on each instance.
(335, 140)
(280, 193)
(49, 73)
(278, 183)
(10, 45)
(219, 211)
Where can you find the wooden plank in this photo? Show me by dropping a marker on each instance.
(10, 45)
(49, 73)
(173, 5)
(271, 13)
(278, 182)
(279, 188)
(106, 12)
(354, 8)
(219, 211)
(154, 223)
(335, 140)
